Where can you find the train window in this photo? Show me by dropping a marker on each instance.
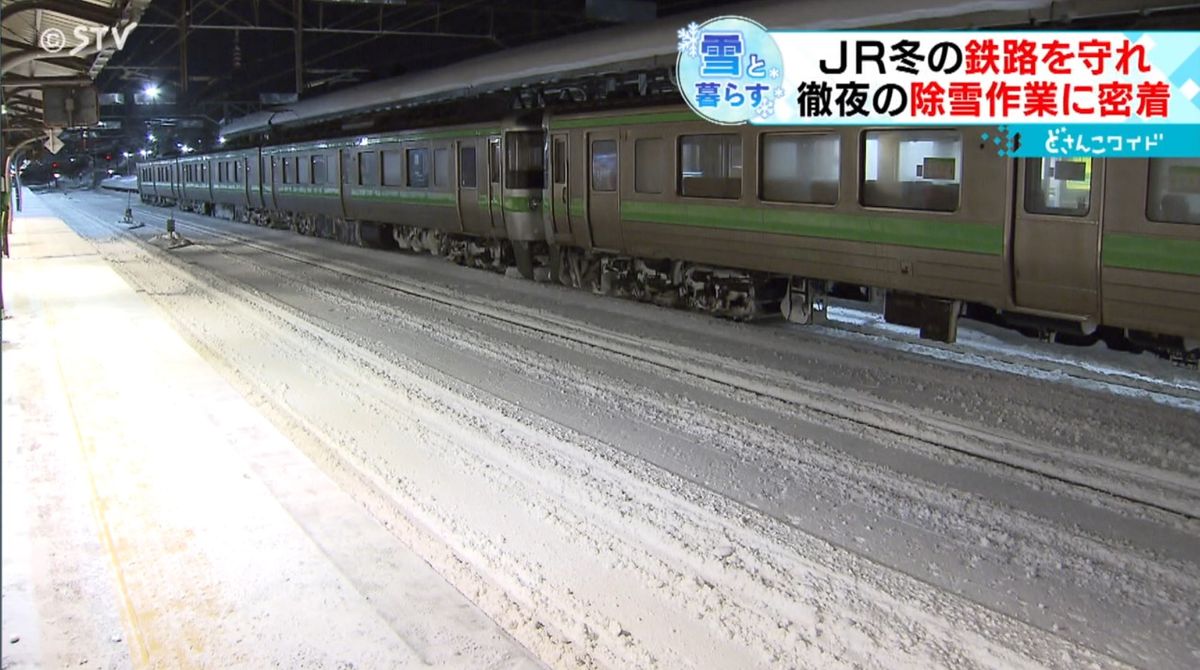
(303, 170)
(319, 171)
(526, 164)
(560, 160)
(648, 165)
(283, 162)
(349, 168)
(494, 160)
(392, 168)
(368, 169)
(912, 169)
(441, 167)
(468, 177)
(801, 167)
(237, 172)
(1173, 195)
(710, 166)
(604, 165)
(418, 167)
(1058, 186)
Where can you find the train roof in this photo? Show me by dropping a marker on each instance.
(632, 47)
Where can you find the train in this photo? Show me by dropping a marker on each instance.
(657, 204)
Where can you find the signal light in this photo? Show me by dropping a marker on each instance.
(54, 165)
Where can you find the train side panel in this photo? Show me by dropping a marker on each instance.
(394, 180)
(886, 207)
(1151, 246)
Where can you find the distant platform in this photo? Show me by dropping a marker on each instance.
(154, 518)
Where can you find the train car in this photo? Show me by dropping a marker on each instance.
(470, 191)
(661, 204)
(480, 182)
(195, 187)
(157, 181)
(230, 183)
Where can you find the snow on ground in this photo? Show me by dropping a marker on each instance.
(153, 518)
(620, 485)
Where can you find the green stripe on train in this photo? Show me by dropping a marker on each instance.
(925, 233)
(1141, 252)
(307, 191)
(517, 203)
(439, 198)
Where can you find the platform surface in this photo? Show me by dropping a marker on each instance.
(153, 517)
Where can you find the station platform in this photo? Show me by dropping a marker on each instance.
(152, 517)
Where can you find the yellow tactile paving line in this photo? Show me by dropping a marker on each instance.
(139, 541)
(139, 652)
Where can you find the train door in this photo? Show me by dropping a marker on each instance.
(254, 180)
(470, 213)
(603, 194)
(560, 192)
(244, 177)
(348, 176)
(272, 180)
(495, 194)
(1056, 235)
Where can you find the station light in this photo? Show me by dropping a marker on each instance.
(144, 152)
(126, 154)
(221, 139)
(150, 137)
(185, 149)
(152, 91)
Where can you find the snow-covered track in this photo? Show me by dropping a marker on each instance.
(1140, 486)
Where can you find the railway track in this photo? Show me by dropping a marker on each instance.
(1169, 493)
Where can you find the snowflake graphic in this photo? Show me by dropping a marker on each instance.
(689, 40)
(774, 73)
(767, 109)
(778, 92)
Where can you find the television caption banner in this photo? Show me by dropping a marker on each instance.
(1114, 94)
